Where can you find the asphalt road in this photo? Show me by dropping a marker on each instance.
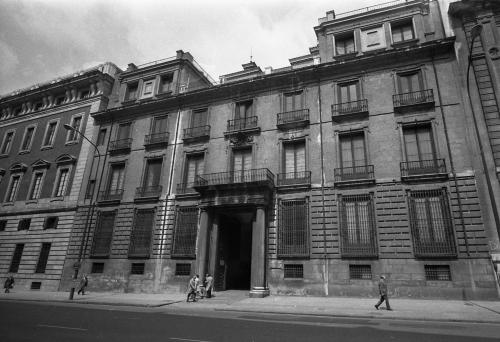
(24, 321)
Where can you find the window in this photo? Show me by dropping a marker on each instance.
(16, 258)
(27, 139)
(3, 225)
(344, 45)
(357, 226)
(116, 178)
(410, 82)
(194, 167)
(293, 228)
(360, 272)
(24, 224)
(36, 186)
(430, 222)
(243, 117)
(152, 173)
(101, 137)
(292, 101)
(50, 133)
(147, 88)
(97, 267)
(36, 285)
(123, 131)
(51, 222)
(182, 269)
(437, 272)
(103, 235)
(293, 271)
(90, 189)
(7, 142)
(199, 118)
(353, 156)
(166, 84)
(349, 92)
(13, 188)
(294, 159)
(132, 89)
(62, 181)
(402, 31)
(75, 123)
(159, 124)
(241, 164)
(186, 227)
(140, 239)
(419, 147)
(372, 38)
(137, 268)
(43, 258)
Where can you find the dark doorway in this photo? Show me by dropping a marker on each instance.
(233, 266)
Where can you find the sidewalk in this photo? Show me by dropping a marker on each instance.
(238, 301)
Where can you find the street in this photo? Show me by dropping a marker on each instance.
(25, 321)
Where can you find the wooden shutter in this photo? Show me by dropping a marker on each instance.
(160, 124)
(123, 131)
(153, 172)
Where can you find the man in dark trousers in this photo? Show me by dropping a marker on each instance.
(382, 289)
(192, 288)
(9, 283)
(83, 284)
(209, 282)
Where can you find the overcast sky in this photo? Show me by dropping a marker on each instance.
(43, 39)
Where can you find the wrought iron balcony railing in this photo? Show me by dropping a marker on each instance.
(185, 188)
(121, 144)
(423, 167)
(196, 132)
(360, 106)
(111, 195)
(294, 116)
(156, 138)
(148, 191)
(294, 178)
(421, 97)
(242, 124)
(363, 172)
(255, 176)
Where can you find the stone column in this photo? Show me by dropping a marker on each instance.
(258, 277)
(201, 255)
(213, 247)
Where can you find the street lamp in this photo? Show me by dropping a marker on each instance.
(77, 264)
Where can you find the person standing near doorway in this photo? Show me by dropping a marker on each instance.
(382, 289)
(209, 282)
(192, 288)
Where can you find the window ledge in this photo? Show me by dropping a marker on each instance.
(33, 201)
(57, 199)
(24, 152)
(7, 204)
(405, 43)
(4, 155)
(72, 142)
(48, 147)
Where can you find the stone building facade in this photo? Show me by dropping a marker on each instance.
(41, 170)
(356, 160)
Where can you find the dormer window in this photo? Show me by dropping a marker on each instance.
(147, 88)
(344, 44)
(402, 31)
(166, 84)
(132, 91)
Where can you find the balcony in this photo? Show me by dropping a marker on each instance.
(293, 119)
(422, 99)
(156, 139)
(245, 125)
(294, 179)
(350, 110)
(111, 195)
(148, 192)
(196, 133)
(120, 146)
(423, 170)
(355, 175)
(235, 180)
(186, 190)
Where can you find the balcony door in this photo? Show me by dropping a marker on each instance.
(353, 156)
(194, 167)
(116, 179)
(152, 174)
(242, 163)
(419, 148)
(294, 162)
(243, 115)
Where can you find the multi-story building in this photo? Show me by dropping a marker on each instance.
(477, 28)
(354, 161)
(41, 170)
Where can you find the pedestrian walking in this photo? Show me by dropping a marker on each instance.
(209, 281)
(382, 289)
(9, 283)
(83, 284)
(192, 288)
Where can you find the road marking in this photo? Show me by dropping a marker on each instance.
(186, 339)
(59, 327)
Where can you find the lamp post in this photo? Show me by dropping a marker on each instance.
(475, 32)
(77, 265)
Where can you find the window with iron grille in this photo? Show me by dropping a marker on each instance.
(103, 234)
(24, 224)
(293, 271)
(360, 271)
(186, 226)
(3, 224)
(51, 222)
(16, 258)
(437, 272)
(97, 267)
(293, 228)
(431, 225)
(36, 285)
(43, 258)
(140, 238)
(357, 226)
(137, 268)
(182, 269)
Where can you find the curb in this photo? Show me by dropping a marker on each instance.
(87, 302)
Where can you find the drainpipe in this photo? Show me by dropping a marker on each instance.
(325, 259)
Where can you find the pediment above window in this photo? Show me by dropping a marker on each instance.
(40, 163)
(65, 159)
(18, 167)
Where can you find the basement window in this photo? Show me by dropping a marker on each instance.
(97, 267)
(182, 269)
(293, 271)
(437, 272)
(137, 268)
(360, 271)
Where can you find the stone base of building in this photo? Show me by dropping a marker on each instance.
(259, 292)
